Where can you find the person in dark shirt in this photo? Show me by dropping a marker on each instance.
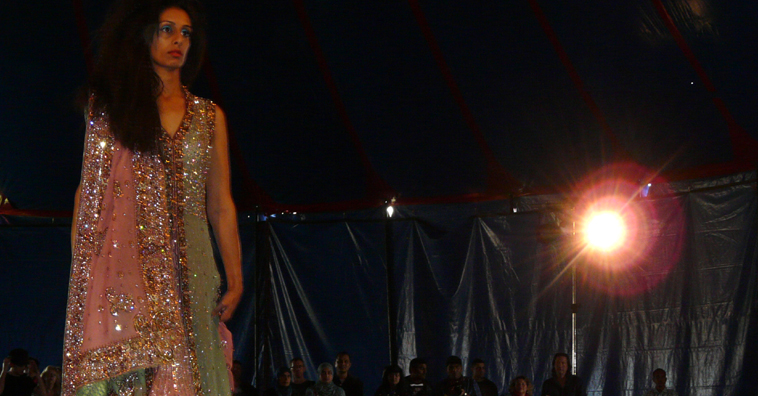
(282, 383)
(391, 382)
(521, 386)
(241, 387)
(348, 382)
(479, 374)
(416, 383)
(299, 383)
(456, 384)
(13, 380)
(562, 383)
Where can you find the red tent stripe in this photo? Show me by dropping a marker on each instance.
(744, 147)
(253, 193)
(376, 186)
(499, 178)
(618, 150)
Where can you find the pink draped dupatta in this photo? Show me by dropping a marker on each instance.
(124, 305)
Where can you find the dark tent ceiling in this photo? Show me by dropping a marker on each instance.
(344, 104)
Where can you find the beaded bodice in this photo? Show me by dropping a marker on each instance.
(187, 156)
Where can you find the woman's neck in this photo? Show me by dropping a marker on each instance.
(171, 80)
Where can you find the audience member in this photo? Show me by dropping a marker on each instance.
(299, 383)
(324, 386)
(456, 384)
(416, 384)
(562, 383)
(241, 387)
(14, 380)
(281, 383)
(521, 386)
(391, 386)
(350, 383)
(479, 374)
(659, 378)
(51, 381)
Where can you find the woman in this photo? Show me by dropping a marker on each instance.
(391, 378)
(143, 311)
(282, 383)
(521, 386)
(51, 381)
(324, 386)
(562, 383)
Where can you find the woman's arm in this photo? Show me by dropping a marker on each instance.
(223, 218)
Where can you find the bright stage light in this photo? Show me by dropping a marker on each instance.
(605, 231)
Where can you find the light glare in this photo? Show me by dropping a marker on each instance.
(605, 231)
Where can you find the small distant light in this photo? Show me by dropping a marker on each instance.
(102, 144)
(390, 211)
(118, 327)
(515, 210)
(294, 213)
(273, 215)
(645, 190)
(692, 83)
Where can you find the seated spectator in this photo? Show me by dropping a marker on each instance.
(659, 378)
(51, 381)
(324, 386)
(281, 383)
(350, 383)
(456, 384)
(521, 386)
(391, 382)
(14, 380)
(299, 383)
(479, 374)
(562, 383)
(416, 384)
(241, 387)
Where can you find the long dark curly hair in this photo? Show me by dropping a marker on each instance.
(123, 83)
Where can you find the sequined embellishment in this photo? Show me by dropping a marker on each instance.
(160, 337)
(173, 149)
(119, 302)
(117, 189)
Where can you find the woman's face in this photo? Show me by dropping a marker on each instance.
(521, 386)
(171, 42)
(394, 378)
(325, 375)
(284, 379)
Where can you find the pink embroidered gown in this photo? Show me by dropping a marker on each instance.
(143, 277)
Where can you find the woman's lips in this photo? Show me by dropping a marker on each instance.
(176, 54)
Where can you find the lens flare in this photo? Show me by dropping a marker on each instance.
(605, 231)
(628, 235)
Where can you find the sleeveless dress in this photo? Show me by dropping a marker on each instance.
(143, 278)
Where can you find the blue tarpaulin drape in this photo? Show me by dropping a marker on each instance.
(466, 279)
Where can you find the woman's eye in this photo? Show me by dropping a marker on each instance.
(166, 29)
(186, 32)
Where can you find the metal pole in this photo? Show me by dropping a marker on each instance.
(574, 306)
(573, 318)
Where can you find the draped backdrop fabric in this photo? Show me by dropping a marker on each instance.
(474, 280)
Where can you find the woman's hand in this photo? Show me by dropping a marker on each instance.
(228, 304)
